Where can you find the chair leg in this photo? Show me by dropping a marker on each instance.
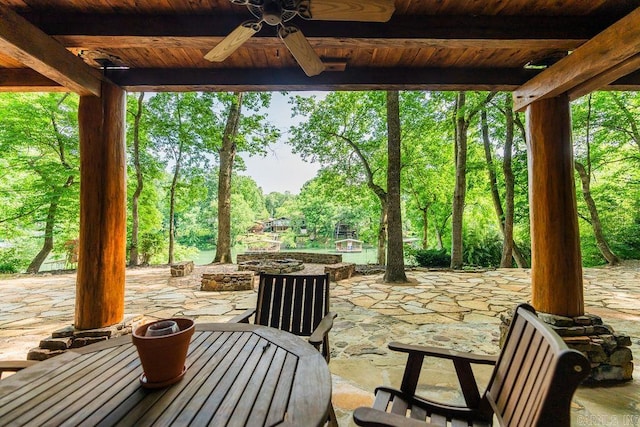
(332, 421)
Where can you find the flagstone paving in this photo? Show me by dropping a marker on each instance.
(439, 308)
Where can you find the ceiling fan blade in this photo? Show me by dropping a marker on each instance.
(233, 41)
(301, 50)
(351, 10)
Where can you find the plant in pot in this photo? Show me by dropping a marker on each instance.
(162, 347)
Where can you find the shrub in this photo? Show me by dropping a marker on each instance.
(8, 268)
(483, 250)
(432, 257)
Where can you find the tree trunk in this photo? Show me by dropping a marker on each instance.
(394, 272)
(601, 240)
(135, 220)
(47, 245)
(381, 256)
(227, 155)
(461, 181)
(172, 212)
(440, 244)
(174, 186)
(425, 227)
(508, 248)
(505, 219)
(382, 196)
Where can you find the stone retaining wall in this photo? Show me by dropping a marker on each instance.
(306, 257)
(608, 351)
(227, 281)
(69, 337)
(340, 271)
(181, 269)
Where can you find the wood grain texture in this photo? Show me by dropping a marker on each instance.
(601, 80)
(302, 51)
(352, 10)
(101, 264)
(603, 52)
(556, 268)
(237, 375)
(32, 47)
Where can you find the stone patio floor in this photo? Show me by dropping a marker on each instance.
(460, 310)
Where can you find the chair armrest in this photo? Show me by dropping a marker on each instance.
(444, 353)
(15, 365)
(244, 317)
(322, 329)
(461, 361)
(370, 417)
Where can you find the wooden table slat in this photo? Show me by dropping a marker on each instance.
(263, 401)
(262, 350)
(37, 393)
(223, 381)
(267, 364)
(142, 403)
(79, 387)
(282, 391)
(97, 389)
(237, 375)
(126, 386)
(197, 374)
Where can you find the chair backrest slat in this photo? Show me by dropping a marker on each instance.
(293, 303)
(535, 376)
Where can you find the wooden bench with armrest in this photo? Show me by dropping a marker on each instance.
(532, 383)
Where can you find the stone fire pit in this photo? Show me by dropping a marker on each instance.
(276, 266)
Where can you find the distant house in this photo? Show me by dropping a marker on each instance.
(277, 225)
(343, 230)
(348, 245)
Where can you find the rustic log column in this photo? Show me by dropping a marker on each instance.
(101, 262)
(556, 267)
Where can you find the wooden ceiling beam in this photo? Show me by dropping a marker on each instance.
(294, 79)
(124, 31)
(624, 68)
(591, 66)
(27, 80)
(27, 44)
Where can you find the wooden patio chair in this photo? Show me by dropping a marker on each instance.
(532, 383)
(299, 305)
(14, 365)
(296, 304)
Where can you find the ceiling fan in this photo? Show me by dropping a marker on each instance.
(278, 12)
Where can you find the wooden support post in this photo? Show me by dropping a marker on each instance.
(101, 262)
(556, 263)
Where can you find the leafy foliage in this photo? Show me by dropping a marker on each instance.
(431, 257)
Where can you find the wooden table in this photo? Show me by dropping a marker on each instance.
(237, 375)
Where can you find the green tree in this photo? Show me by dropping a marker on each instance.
(180, 128)
(463, 116)
(394, 273)
(250, 133)
(346, 132)
(39, 143)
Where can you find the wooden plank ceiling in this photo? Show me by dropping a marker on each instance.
(427, 44)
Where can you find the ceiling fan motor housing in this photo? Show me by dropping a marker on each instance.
(274, 12)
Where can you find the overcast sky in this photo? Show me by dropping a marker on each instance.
(280, 170)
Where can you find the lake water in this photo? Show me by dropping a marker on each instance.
(367, 256)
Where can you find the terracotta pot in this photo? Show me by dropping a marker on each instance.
(163, 356)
